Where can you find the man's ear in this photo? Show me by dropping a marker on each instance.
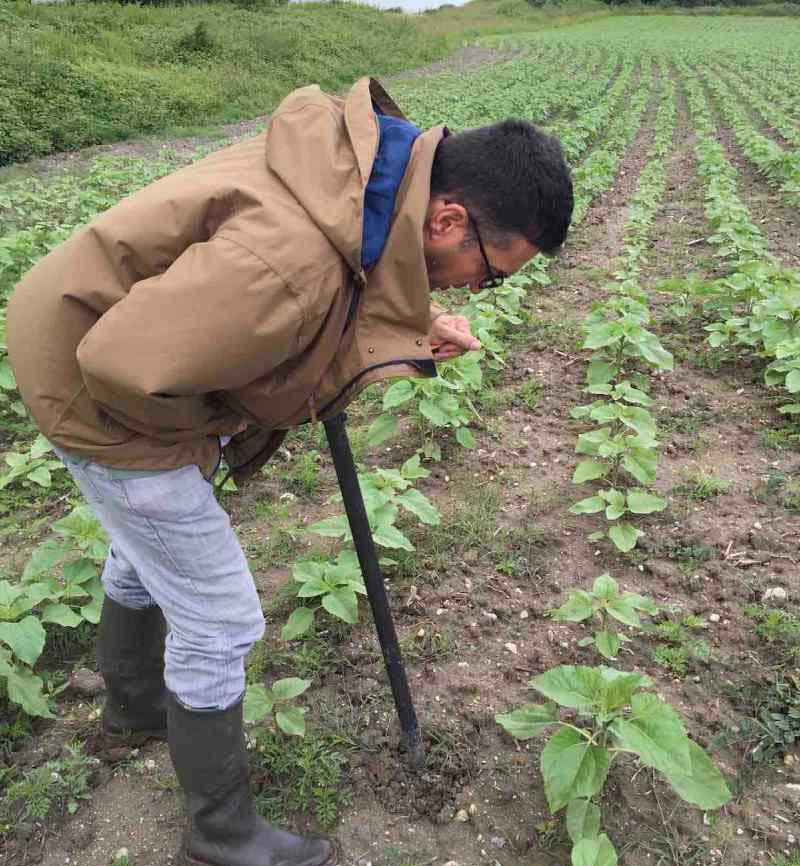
(446, 220)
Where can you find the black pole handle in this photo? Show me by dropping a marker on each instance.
(343, 461)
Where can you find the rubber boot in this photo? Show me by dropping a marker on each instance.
(130, 654)
(208, 752)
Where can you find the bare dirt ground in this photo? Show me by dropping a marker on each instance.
(471, 604)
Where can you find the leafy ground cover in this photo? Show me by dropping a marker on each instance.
(666, 652)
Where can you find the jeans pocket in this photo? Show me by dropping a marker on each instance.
(169, 496)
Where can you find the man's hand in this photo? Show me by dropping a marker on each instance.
(450, 337)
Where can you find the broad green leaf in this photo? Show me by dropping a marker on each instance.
(529, 720)
(433, 413)
(624, 536)
(655, 353)
(289, 688)
(594, 852)
(607, 644)
(342, 604)
(622, 610)
(616, 503)
(792, 382)
(572, 767)
(7, 380)
(331, 527)
(588, 470)
(41, 476)
(25, 638)
(578, 607)
(291, 720)
(583, 820)
(258, 703)
(605, 587)
(642, 502)
(299, 622)
(398, 393)
(701, 783)
(40, 447)
(390, 536)
(27, 690)
(790, 409)
(641, 464)
(91, 611)
(313, 587)
(10, 592)
(654, 731)
(415, 502)
(617, 688)
(569, 685)
(590, 505)
(80, 571)
(46, 556)
(602, 335)
(35, 593)
(61, 615)
(600, 372)
(412, 470)
(381, 429)
(465, 438)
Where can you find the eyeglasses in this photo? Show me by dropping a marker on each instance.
(495, 278)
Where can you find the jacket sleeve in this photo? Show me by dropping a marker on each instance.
(217, 319)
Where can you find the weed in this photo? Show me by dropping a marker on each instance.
(302, 474)
(679, 644)
(123, 858)
(776, 627)
(696, 414)
(781, 489)
(701, 485)
(428, 644)
(771, 726)
(791, 860)
(689, 553)
(293, 774)
(529, 393)
(51, 789)
(780, 438)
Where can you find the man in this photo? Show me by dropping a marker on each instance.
(258, 289)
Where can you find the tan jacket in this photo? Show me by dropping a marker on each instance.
(229, 290)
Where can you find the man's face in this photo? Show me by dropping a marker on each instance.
(453, 255)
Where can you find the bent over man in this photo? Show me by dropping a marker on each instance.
(258, 289)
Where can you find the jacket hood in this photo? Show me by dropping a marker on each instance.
(322, 148)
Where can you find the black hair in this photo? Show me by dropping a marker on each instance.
(512, 176)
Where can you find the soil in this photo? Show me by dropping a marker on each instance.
(473, 620)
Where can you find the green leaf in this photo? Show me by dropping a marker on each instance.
(418, 504)
(40, 447)
(300, 621)
(594, 852)
(61, 614)
(26, 690)
(622, 610)
(590, 505)
(25, 638)
(654, 731)
(624, 536)
(578, 607)
(79, 571)
(465, 438)
(583, 820)
(258, 703)
(605, 587)
(433, 413)
(91, 611)
(412, 470)
(642, 502)
(381, 429)
(569, 685)
(343, 604)
(46, 556)
(600, 372)
(572, 767)
(331, 527)
(641, 463)
(528, 720)
(40, 476)
(9, 593)
(588, 470)
(607, 644)
(289, 688)
(398, 393)
(7, 380)
(291, 720)
(390, 536)
(790, 409)
(701, 783)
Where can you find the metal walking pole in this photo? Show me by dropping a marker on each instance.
(373, 580)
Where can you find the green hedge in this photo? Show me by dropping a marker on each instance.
(77, 75)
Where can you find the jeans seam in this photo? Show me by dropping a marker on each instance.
(190, 582)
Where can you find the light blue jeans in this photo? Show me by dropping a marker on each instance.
(172, 545)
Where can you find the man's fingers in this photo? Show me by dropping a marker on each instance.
(459, 338)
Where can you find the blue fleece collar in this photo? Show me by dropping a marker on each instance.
(396, 138)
